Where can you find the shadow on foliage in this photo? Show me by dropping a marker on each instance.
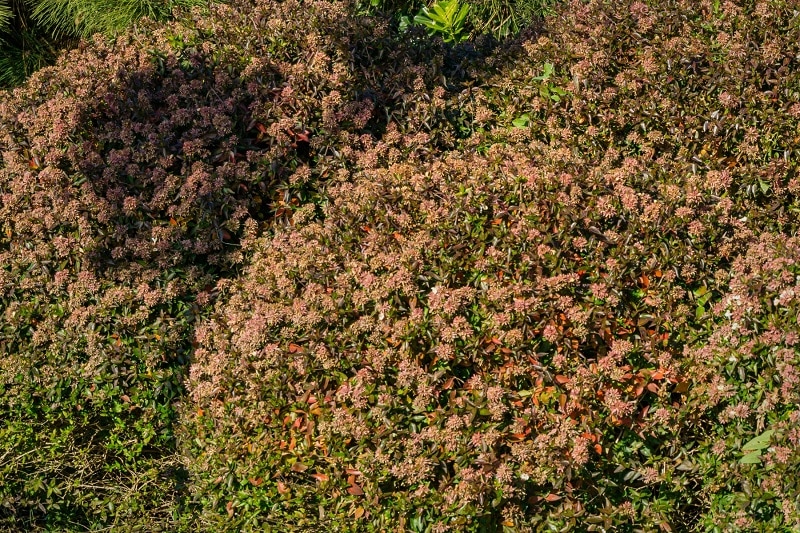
(131, 174)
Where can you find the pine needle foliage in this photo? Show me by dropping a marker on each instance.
(5, 15)
(23, 48)
(32, 32)
(86, 17)
(502, 18)
(23, 55)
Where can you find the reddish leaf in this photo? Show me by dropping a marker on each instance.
(320, 477)
(552, 497)
(294, 348)
(561, 380)
(355, 490)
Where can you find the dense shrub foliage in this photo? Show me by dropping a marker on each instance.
(276, 267)
(127, 172)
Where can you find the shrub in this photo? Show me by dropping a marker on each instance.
(497, 18)
(748, 366)
(127, 173)
(510, 335)
(401, 286)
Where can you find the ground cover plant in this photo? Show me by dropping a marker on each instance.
(277, 267)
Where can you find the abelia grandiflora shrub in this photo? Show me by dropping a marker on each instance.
(127, 173)
(748, 364)
(496, 337)
(472, 311)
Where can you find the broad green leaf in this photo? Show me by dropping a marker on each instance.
(521, 122)
(760, 442)
(700, 291)
(704, 298)
(445, 17)
(436, 26)
(751, 458)
(439, 14)
(462, 14)
(435, 16)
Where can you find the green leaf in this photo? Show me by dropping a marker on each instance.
(445, 17)
(437, 16)
(462, 14)
(760, 442)
(521, 122)
(547, 72)
(702, 295)
(751, 458)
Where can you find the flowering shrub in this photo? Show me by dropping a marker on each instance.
(277, 268)
(747, 365)
(127, 173)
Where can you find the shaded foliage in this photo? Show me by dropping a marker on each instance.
(34, 32)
